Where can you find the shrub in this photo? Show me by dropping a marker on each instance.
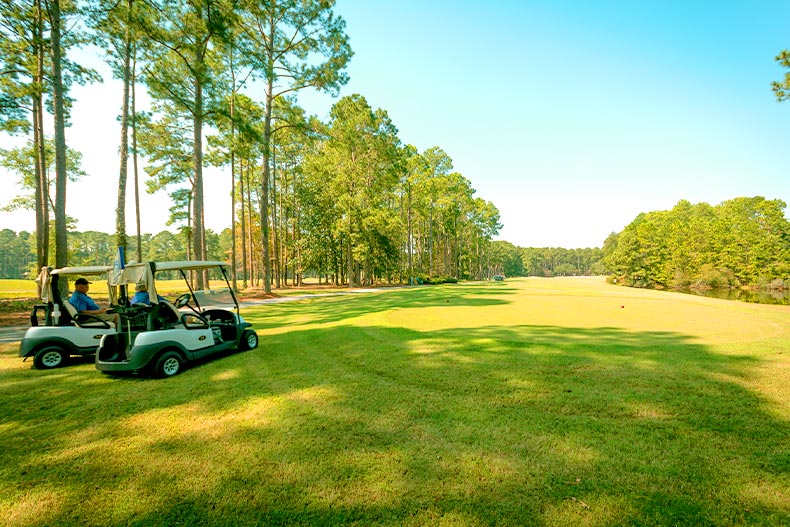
(434, 280)
(710, 277)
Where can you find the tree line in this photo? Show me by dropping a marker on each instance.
(346, 199)
(740, 242)
(18, 257)
(510, 260)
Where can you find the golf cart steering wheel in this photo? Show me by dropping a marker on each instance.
(182, 300)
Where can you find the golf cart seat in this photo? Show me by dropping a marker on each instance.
(82, 320)
(163, 315)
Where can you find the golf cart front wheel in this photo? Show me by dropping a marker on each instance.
(168, 365)
(50, 357)
(249, 340)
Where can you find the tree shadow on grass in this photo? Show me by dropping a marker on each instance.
(524, 425)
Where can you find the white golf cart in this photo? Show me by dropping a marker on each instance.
(57, 331)
(161, 338)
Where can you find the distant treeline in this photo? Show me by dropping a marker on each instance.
(18, 255)
(18, 251)
(743, 242)
(511, 260)
(740, 242)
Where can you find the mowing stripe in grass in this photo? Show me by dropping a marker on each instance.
(529, 402)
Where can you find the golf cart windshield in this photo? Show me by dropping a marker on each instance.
(215, 298)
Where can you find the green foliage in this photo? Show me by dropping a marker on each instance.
(18, 258)
(17, 254)
(782, 89)
(19, 45)
(22, 161)
(557, 261)
(295, 44)
(357, 166)
(441, 279)
(740, 242)
(505, 259)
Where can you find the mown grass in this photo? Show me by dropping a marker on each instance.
(17, 288)
(534, 402)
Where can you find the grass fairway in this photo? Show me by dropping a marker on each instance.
(529, 402)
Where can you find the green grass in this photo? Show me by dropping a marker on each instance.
(27, 288)
(15, 289)
(533, 402)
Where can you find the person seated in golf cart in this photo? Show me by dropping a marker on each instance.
(141, 296)
(85, 304)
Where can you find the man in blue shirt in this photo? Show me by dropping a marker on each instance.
(85, 304)
(141, 296)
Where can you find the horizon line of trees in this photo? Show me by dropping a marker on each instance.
(742, 242)
(512, 260)
(86, 248)
(18, 260)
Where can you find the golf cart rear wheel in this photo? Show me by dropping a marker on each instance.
(168, 364)
(50, 357)
(249, 340)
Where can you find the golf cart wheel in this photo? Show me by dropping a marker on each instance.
(249, 340)
(168, 365)
(50, 357)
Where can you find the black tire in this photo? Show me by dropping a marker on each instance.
(50, 357)
(168, 364)
(249, 340)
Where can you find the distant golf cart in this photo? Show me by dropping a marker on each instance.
(161, 338)
(57, 331)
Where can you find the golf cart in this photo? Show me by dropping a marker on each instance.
(196, 325)
(56, 329)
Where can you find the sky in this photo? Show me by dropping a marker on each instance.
(571, 117)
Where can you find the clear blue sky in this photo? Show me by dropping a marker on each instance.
(570, 116)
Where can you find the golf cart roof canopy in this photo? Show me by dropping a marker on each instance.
(83, 270)
(188, 265)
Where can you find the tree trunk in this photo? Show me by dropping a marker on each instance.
(233, 174)
(244, 267)
(430, 239)
(120, 210)
(197, 207)
(250, 240)
(410, 237)
(190, 227)
(267, 138)
(61, 229)
(42, 183)
(134, 162)
(233, 205)
(275, 220)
